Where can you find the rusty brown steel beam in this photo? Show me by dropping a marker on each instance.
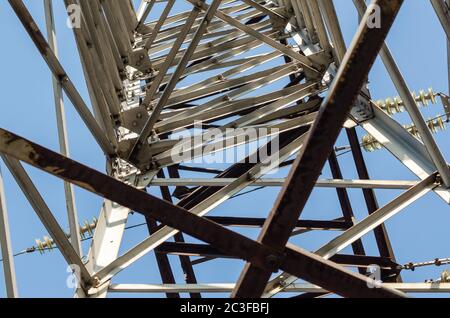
(60, 74)
(308, 166)
(381, 235)
(165, 269)
(344, 201)
(204, 250)
(185, 261)
(294, 261)
(137, 200)
(339, 280)
(338, 224)
(335, 225)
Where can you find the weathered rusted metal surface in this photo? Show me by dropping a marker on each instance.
(326, 273)
(307, 168)
(381, 235)
(121, 72)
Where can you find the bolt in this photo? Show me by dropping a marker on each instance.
(64, 79)
(94, 282)
(438, 180)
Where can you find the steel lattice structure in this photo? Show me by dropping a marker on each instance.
(221, 64)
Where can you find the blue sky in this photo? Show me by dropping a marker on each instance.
(419, 233)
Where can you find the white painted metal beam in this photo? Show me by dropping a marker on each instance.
(72, 214)
(294, 288)
(279, 182)
(5, 244)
